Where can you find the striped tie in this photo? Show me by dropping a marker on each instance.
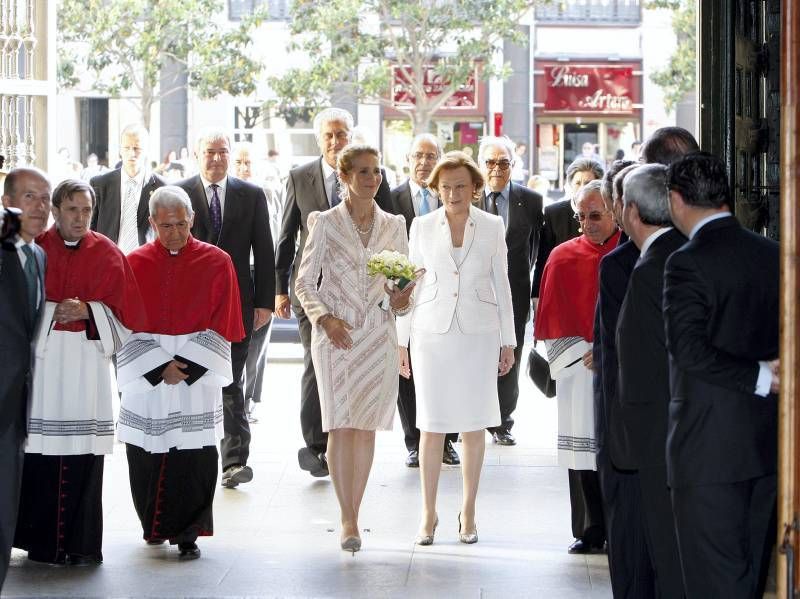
(128, 228)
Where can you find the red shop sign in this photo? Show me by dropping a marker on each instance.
(599, 89)
(434, 84)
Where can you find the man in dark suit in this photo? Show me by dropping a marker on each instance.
(121, 210)
(309, 188)
(629, 563)
(643, 392)
(521, 211)
(412, 199)
(721, 312)
(22, 265)
(232, 214)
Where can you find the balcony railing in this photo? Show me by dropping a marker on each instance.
(590, 12)
(27, 87)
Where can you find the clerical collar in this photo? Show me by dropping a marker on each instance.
(72, 245)
(602, 243)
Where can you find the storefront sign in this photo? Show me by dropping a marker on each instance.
(434, 85)
(587, 89)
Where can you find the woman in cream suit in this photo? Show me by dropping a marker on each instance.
(461, 328)
(353, 339)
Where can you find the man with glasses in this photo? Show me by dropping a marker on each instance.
(411, 199)
(521, 211)
(565, 322)
(122, 194)
(232, 214)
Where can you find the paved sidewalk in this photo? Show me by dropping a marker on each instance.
(278, 535)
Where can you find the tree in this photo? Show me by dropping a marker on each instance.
(361, 47)
(679, 76)
(126, 43)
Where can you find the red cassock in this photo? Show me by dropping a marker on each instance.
(188, 292)
(93, 270)
(569, 288)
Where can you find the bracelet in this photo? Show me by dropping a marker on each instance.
(321, 320)
(508, 347)
(402, 311)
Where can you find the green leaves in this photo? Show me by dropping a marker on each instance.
(356, 44)
(125, 43)
(679, 76)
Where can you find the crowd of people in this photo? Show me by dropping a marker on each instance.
(657, 310)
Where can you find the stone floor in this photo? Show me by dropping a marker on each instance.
(278, 535)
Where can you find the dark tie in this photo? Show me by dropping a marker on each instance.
(335, 199)
(32, 278)
(493, 201)
(216, 211)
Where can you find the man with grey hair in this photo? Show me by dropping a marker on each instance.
(309, 188)
(233, 215)
(172, 375)
(522, 213)
(411, 199)
(644, 393)
(120, 211)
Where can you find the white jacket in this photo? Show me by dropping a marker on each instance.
(477, 292)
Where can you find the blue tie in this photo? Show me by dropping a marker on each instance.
(32, 278)
(424, 207)
(335, 199)
(216, 211)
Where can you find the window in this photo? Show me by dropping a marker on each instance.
(590, 12)
(279, 10)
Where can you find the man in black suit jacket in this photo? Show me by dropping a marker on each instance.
(629, 563)
(412, 199)
(521, 210)
(232, 214)
(721, 311)
(309, 188)
(643, 393)
(22, 265)
(121, 210)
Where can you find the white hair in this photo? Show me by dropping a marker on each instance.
(430, 137)
(170, 197)
(211, 134)
(646, 187)
(502, 142)
(332, 114)
(138, 130)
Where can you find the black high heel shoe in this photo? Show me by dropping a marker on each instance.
(427, 539)
(467, 537)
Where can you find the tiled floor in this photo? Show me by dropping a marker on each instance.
(278, 535)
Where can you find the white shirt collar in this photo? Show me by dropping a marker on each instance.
(327, 170)
(222, 184)
(20, 242)
(139, 178)
(703, 222)
(651, 238)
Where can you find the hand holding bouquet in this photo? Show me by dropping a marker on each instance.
(394, 266)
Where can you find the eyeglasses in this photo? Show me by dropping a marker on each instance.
(503, 165)
(427, 156)
(595, 217)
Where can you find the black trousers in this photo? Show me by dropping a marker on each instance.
(508, 384)
(587, 507)
(310, 412)
(235, 446)
(662, 541)
(255, 364)
(725, 536)
(407, 408)
(12, 441)
(632, 575)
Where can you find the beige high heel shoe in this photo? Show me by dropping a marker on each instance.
(351, 544)
(427, 539)
(467, 537)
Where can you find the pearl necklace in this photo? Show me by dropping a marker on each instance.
(366, 231)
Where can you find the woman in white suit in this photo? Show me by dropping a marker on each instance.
(461, 328)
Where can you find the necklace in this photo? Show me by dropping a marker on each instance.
(358, 229)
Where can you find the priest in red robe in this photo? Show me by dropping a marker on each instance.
(565, 322)
(92, 303)
(171, 375)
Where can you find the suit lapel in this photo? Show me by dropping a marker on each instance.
(470, 232)
(202, 219)
(316, 180)
(144, 206)
(232, 205)
(406, 202)
(114, 204)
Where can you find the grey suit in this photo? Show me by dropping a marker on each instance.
(106, 213)
(18, 323)
(305, 193)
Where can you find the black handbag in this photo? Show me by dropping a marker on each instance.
(539, 371)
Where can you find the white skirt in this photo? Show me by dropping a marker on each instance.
(455, 378)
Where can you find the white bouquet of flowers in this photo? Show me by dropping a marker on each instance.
(393, 265)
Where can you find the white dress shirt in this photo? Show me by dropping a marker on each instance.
(329, 173)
